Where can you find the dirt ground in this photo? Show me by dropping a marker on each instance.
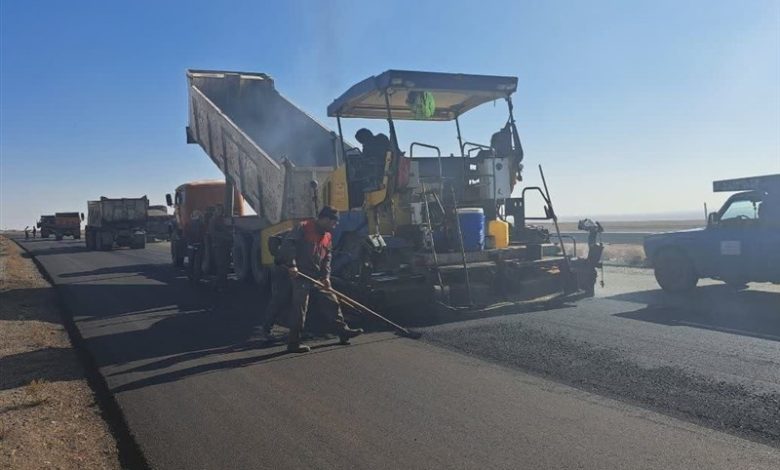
(48, 414)
(637, 225)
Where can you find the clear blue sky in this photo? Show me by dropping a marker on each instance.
(632, 107)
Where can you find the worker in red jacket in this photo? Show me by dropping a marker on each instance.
(307, 249)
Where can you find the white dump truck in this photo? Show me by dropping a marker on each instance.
(120, 222)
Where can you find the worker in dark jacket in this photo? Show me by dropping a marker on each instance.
(307, 250)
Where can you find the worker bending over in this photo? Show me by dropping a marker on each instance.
(307, 249)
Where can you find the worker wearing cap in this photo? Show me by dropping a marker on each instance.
(307, 250)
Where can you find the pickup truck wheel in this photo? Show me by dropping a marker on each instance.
(674, 271)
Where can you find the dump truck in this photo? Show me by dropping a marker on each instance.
(60, 225)
(229, 114)
(116, 221)
(158, 223)
(46, 225)
(740, 244)
(413, 228)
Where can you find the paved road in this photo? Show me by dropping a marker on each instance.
(199, 391)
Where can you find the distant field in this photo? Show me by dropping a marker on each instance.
(638, 225)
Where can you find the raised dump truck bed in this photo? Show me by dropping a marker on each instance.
(265, 145)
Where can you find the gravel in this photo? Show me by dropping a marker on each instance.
(724, 406)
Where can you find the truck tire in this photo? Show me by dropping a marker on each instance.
(177, 253)
(77, 236)
(104, 241)
(89, 239)
(58, 237)
(674, 271)
(194, 264)
(242, 250)
(207, 264)
(260, 273)
(138, 242)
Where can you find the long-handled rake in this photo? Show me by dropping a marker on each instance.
(350, 302)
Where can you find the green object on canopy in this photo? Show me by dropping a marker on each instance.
(422, 104)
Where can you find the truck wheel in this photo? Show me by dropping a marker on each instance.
(241, 252)
(177, 255)
(260, 273)
(104, 242)
(138, 242)
(77, 236)
(208, 266)
(674, 271)
(194, 263)
(58, 237)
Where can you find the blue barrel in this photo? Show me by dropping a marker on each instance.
(472, 227)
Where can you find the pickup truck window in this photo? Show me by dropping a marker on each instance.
(740, 210)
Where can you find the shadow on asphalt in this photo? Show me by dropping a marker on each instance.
(57, 250)
(150, 270)
(715, 307)
(151, 314)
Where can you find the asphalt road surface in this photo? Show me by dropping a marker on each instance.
(658, 381)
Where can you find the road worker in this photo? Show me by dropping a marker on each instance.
(307, 250)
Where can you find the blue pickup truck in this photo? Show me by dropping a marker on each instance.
(740, 244)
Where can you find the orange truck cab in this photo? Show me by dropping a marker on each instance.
(193, 200)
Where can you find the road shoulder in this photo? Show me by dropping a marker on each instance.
(48, 414)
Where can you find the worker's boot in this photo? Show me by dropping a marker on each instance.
(297, 348)
(348, 333)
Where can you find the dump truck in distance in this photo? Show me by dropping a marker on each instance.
(193, 202)
(116, 221)
(66, 224)
(46, 225)
(158, 223)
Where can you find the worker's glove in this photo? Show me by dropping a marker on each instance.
(293, 272)
(326, 283)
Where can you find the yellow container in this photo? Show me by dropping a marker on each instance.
(500, 232)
